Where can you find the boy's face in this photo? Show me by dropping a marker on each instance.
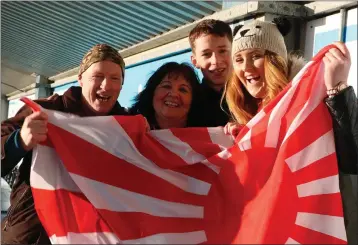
(212, 55)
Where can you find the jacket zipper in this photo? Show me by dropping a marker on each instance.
(11, 210)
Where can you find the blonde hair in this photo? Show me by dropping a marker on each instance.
(242, 105)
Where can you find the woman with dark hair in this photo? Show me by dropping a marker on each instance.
(170, 97)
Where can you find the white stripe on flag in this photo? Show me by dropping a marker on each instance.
(245, 142)
(291, 241)
(181, 149)
(99, 194)
(256, 119)
(218, 137)
(326, 185)
(48, 172)
(318, 90)
(102, 197)
(274, 124)
(322, 147)
(224, 154)
(213, 167)
(299, 75)
(175, 145)
(86, 238)
(330, 225)
(195, 237)
(107, 134)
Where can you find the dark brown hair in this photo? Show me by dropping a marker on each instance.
(210, 27)
(143, 102)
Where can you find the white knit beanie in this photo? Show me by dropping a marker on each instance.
(261, 35)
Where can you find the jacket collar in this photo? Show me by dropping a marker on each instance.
(73, 103)
(210, 90)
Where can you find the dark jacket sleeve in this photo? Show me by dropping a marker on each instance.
(344, 110)
(14, 152)
(11, 150)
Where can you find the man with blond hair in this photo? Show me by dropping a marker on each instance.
(101, 77)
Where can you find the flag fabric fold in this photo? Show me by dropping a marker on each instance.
(100, 180)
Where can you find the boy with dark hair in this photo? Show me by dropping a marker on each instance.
(211, 43)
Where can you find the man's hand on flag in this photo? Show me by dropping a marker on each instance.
(7, 129)
(34, 130)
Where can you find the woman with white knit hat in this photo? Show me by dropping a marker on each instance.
(262, 69)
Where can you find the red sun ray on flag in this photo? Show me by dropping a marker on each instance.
(107, 180)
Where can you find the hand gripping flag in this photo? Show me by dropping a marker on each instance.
(107, 180)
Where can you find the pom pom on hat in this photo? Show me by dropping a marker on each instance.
(283, 25)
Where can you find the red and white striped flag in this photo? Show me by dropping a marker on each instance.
(107, 180)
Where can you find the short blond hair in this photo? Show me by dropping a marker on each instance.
(101, 52)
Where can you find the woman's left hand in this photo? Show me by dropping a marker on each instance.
(337, 63)
(233, 129)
